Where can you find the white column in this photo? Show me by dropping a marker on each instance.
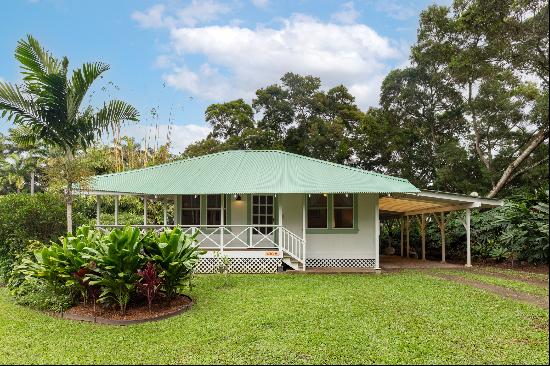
(442, 229)
(377, 235)
(468, 249)
(116, 210)
(304, 225)
(401, 222)
(423, 234)
(222, 222)
(279, 220)
(97, 210)
(165, 211)
(407, 226)
(144, 210)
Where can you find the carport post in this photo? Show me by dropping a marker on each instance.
(401, 227)
(423, 233)
(442, 229)
(407, 224)
(468, 249)
(165, 209)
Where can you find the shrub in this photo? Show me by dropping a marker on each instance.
(176, 255)
(40, 295)
(149, 283)
(25, 218)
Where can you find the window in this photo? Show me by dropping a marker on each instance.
(191, 210)
(342, 211)
(317, 209)
(262, 213)
(214, 209)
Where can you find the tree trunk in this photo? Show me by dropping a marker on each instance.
(69, 201)
(508, 173)
(32, 182)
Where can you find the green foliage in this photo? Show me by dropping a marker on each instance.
(176, 255)
(118, 258)
(40, 295)
(25, 218)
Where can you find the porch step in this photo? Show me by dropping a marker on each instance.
(292, 263)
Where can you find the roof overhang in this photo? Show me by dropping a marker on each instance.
(426, 202)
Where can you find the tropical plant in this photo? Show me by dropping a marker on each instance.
(177, 256)
(149, 283)
(49, 104)
(118, 258)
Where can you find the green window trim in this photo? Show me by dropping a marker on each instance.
(203, 223)
(330, 220)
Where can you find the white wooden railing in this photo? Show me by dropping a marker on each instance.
(235, 237)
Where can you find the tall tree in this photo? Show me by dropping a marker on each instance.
(496, 55)
(49, 103)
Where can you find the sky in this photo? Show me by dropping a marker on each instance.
(173, 58)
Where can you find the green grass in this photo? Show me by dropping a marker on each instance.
(406, 317)
(517, 273)
(503, 282)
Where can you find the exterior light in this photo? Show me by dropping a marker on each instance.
(309, 195)
(238, 197)
(324, 194)
(347, 195)
(195, 196)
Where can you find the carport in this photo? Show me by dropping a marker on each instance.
(406, 207)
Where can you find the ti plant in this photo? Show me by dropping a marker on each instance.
(149, 283)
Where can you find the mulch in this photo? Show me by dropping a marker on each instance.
(138, 313)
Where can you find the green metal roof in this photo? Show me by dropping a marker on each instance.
(249, 171)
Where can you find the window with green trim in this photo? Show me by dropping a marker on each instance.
(214, 210)
(317, 211)
(342, 211)
(190, 210)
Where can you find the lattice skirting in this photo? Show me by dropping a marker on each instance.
(240, 265)
(336, 262)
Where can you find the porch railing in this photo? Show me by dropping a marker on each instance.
(235, 237)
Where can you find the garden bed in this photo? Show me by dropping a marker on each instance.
(138, 313)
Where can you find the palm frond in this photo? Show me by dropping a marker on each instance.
(80, 82)
(17, 107)
(114, 112)
(34, 59)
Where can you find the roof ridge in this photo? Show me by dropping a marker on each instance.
(333, 164)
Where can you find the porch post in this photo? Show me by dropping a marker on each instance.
(423, 234)
(116, 210)
(279, 222)
(97, 210)
(222, 221)
(468, 249)
(401, 221)
(165, 211)
(144, 210)
(377, 235)
(442, 229)
(304, 225)
(407, 224)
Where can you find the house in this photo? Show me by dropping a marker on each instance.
(269, 209)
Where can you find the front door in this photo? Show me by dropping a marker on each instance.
(263, 216)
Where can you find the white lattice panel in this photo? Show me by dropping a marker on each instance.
(338, 262)
(240, 265)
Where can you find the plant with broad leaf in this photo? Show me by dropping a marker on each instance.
(118, 257)
(149, 283)
(176, 255)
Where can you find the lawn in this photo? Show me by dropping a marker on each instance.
(407, 317)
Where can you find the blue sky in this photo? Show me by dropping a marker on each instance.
(177, 57)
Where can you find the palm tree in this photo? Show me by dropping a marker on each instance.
(49, 103)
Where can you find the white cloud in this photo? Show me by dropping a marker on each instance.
(240, 60)
(197, 12)
(181, 135)
(152, 17)
(260, 3)
(395, 9)
(348, 14)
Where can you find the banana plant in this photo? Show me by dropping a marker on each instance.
(177, 255)
(118, 258)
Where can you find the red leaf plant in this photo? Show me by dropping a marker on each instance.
(149, 283)
(89, 290)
